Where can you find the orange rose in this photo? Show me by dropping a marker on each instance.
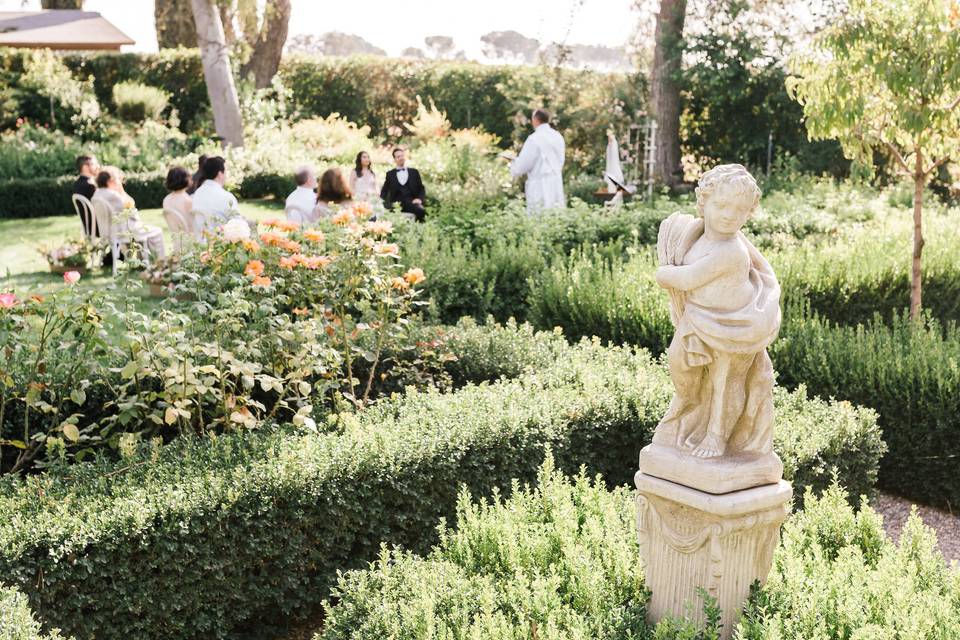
(282, 225)
(399, 283)
(317, 262)
(291, 246)
(414, 276)
(272, 239)
(254, 268)
(288, 262)
(342, 218)
(379, 228)
(386, 249)
(314, 235)
(362, 208)
(261, 281)
(300, 311)
(251, 245)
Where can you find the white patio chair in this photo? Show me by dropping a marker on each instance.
(181, 228)
(110, 231)
(88, 220)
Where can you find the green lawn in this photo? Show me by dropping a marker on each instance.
(24, 270)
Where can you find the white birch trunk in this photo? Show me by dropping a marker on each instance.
(217, 72)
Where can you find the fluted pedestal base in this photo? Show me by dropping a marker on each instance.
(691, 539)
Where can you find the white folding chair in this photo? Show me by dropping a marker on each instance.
(204, 222)
(181, 229)
(294, 214)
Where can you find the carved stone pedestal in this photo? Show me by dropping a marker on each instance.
(720, 542)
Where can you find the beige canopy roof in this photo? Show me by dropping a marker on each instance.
(60, 29)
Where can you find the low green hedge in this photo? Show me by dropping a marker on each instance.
(41, 197)
(17, 621)
(909, 372)
(560, 561)
(202, 536)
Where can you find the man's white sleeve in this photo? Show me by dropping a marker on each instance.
(525, 161)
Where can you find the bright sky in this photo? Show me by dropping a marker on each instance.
(395, 24)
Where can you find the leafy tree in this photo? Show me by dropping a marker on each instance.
(510, 45)
(734, 94)
(443, 48)
(61, 4)
(334, 43)
(174, 23)
(887, 76)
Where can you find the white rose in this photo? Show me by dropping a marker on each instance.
(236, 230)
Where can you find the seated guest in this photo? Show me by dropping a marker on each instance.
(86, 186)
(123, 211)
(88, 168)
(363, 181)
(300, 204)
(178, 182)
(212, 204)
(197, 175)
(403, 185)
(334, 194)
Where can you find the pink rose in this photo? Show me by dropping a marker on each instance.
(71, 277)
(7, 300)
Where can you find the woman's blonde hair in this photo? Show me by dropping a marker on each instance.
(735, 178)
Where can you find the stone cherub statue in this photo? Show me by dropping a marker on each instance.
(725, 305)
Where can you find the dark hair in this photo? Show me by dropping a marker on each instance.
(177, 178)
(83, 161)
(212, 168)
(302, 175)
(103, 179)
(394, 152)
(359, 167)
(542, 115)
(200, 161)
(333, 188)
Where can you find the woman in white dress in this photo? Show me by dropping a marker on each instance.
(363, 181)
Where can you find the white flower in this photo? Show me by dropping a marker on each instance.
(236, 230)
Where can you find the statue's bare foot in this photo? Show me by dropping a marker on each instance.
(710, 447)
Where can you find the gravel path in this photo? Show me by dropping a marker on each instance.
(896, 510)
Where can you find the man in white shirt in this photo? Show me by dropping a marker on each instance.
(301, 203)
(212, 204)
(541, 160)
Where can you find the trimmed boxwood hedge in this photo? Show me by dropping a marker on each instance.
(41, 197)
(203, 536)
(17, 621)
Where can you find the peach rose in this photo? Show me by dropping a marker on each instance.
(414, 276)
(314, 235)
(254, 268)
(261, 281)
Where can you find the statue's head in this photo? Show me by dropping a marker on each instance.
(729, 188)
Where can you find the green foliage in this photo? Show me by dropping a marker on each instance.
(558, 561)
(735, 97)
(72, 103)
(836, 575)
(562, 557)
(41, 197)
(137, 102)
(861, 85)
(196, 537)
(908, 372)
(17, 621)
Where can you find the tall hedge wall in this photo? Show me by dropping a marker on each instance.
(201, 537)
(377, 91)
(17, 621)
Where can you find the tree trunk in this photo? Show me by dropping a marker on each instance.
(919, 179)
(217, 73)
(61, 4)
(174, 23)
(665, 89)
(268, 44)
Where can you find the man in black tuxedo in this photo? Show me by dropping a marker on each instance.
(404, 185)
